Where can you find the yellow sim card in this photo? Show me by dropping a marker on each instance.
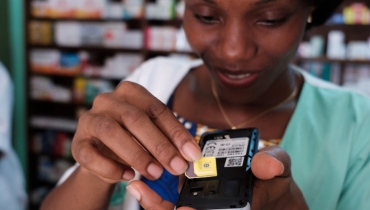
(205, 167)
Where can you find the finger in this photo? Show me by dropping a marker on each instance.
(87, 155)
(271, 166)
(163, 118)
(159, 146)
(111, 134)
(271, 162)
(149, 199)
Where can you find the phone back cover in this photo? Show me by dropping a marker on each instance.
(232, 187)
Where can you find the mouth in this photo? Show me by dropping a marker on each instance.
(238, 76)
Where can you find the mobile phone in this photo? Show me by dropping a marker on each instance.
(232, 187)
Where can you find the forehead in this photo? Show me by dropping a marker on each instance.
(247, 2)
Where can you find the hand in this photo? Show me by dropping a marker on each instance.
(111, 137)
(149, 199)
(274, 187)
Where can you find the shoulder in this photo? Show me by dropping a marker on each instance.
(162, 65)
(333, 99)
(161, 75)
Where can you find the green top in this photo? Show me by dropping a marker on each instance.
(328, 140)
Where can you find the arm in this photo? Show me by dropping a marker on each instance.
(82, 190)
(110, 139)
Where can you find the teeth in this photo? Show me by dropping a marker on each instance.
(239, 76)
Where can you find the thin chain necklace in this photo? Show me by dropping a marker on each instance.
(227, 119)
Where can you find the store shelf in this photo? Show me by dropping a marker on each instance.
(86, 48)
(328, 60)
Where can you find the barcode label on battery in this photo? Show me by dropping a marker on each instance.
(224, 148)
(234, 162)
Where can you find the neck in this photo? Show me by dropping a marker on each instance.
(263, 96)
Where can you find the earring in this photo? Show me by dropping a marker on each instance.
(309, 19)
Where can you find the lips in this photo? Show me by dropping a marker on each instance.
(237, 78)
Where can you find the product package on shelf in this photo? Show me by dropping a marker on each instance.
(85, 90)
(67, 33)
(357, 13)
(43, 88)
(44, 60)
(92, 34)
(61, 8)
(161, 38)
(117, 66)
(96, 34)
(61, 124)
(160, 10)
(133, 9)
(329, 71)
(40, 32)
(53, 143)
(91, 9)
(357, 77)
(114, 34)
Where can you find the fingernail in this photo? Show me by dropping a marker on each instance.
(134, 192)
(128, 175)
(282, 166)
(192, 151)
(154, 170)
(178, 165)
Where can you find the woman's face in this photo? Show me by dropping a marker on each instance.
(245, 43)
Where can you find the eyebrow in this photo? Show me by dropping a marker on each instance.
(260, 2)
(210, 1)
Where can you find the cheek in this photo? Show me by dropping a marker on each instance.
(197, 36)
(283, 46)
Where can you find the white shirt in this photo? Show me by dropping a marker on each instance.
(12, 191)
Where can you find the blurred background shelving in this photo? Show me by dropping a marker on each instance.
(76, 49)
(339, 51)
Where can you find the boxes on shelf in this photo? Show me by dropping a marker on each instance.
(43, 88)
(357, 77)
(133, 9)
(92, 34)
(85, 90)
(67, 33)
(54, 143)
(336, 47)
(40, 32)
(61, 8)
(166, 38)
(110, 35)
(160, 38)
(91, 9)
(356, 13)
(160, 10)
(44, 60)
(87, 9)
(55, 62)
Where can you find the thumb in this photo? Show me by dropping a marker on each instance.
(271, 162)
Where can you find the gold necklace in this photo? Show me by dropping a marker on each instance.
(227, 119)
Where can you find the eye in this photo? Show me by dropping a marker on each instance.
(272, 22)
(206, 19)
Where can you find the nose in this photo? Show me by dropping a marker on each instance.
(236, 44)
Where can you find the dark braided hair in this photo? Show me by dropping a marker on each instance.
(324, 9)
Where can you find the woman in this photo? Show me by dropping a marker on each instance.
(242, 80)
